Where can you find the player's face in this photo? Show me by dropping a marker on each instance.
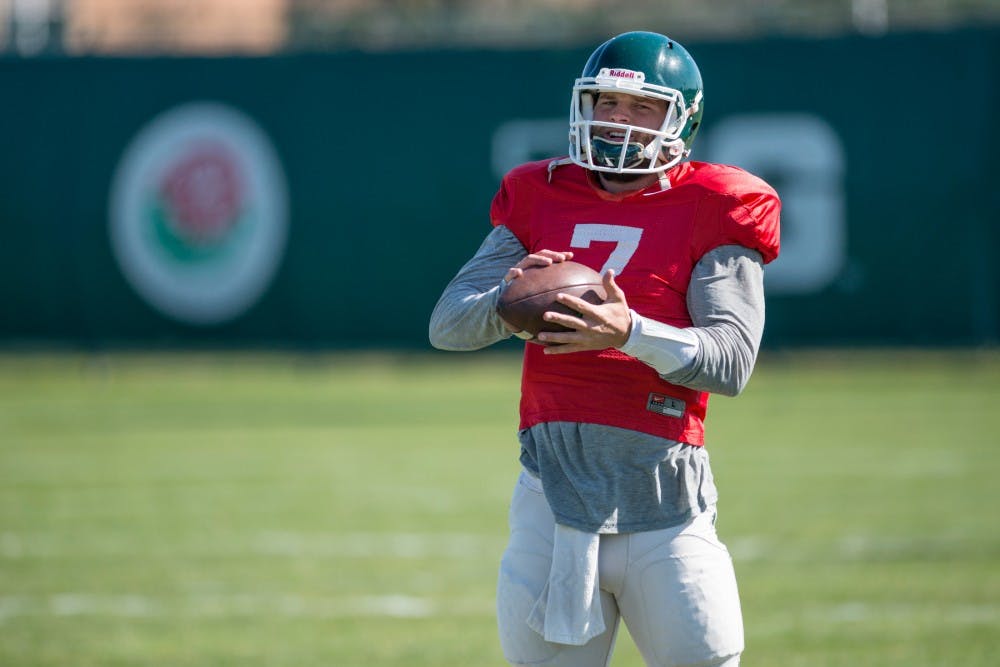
(628, 109)
(632, 110)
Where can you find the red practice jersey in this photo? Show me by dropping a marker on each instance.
(652, 238)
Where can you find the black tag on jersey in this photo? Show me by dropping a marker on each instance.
(665, 405)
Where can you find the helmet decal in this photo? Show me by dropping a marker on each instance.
(620, 78)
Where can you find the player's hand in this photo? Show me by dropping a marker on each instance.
(598, 327)
(540, 258)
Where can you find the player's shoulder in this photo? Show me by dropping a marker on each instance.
(722, 179)
(544, 172)
(749, 215)
(529, 171)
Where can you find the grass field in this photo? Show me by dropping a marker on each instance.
(349, 510)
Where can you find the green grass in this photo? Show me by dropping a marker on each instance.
(350, 510)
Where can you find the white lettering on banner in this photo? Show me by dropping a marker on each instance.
(802, 157)
(518, 141)
(800, 154)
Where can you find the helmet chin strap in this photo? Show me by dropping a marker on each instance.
(664, 181)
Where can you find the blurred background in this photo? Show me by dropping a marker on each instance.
(266, 172)
(223, 226)
(220, 27)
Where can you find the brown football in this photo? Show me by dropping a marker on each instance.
(527, 298)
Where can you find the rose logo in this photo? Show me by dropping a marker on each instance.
(199, 213)
(202, 194)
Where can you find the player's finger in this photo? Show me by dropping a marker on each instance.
(564, 348)
(546, 257)
(564, 319)
(614, 292)
(557, 338)
(577, 304)
(557, 255)
(543, 257)
(513, 273)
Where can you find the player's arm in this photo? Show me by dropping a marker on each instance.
(465, 317)
(726, 302)
(717, 354)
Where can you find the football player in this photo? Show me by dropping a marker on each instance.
(613, 515)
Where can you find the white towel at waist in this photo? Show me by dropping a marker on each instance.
(568, 611)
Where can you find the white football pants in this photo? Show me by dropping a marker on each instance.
(674, 588)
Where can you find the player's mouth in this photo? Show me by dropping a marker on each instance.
(614, 136)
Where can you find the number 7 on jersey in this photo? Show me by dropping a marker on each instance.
(626, 240)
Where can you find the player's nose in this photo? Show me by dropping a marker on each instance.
(619, 115)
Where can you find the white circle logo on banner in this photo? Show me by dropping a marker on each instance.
(199, 213)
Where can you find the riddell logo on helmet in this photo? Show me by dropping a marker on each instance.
(628, 74)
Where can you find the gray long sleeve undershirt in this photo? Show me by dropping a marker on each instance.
(605, 479)
(725, 299)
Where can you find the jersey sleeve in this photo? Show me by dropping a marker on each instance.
(747, 214)
(512, 202)
(501, 209)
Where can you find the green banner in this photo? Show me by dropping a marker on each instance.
(325, 200)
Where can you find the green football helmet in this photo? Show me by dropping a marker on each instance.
(645, 64)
